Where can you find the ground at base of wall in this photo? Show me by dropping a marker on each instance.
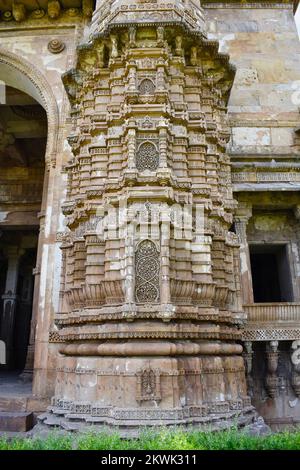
(165, 439)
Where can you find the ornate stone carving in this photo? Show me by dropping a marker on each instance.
(53, 9)
(272, 364)
(270, 334)
(54, 337)
(19, 11)
(55, 46)
(146, 87)
(37, 14)
(148, 385)
(178, 47)
(147, 272)
(132, 36)
(147, 157)
(248, 359)
(7, 16)
(167, 289)
(114, 47)
(193, 56)
(295, 359)
(160, 35)
(87, 8)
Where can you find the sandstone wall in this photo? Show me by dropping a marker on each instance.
(30, 44)
(263, 44)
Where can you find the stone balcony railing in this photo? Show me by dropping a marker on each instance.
(272, 321)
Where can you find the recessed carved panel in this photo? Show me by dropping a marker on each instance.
(147, 269)
(148, 384)
(146, 87)
(147, 157)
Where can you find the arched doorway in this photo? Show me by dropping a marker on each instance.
(23, 139)
(28, 132)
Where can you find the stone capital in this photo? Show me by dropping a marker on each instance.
(243, 212)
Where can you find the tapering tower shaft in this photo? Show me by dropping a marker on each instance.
(150, 298)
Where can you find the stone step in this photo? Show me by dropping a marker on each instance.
(10, 403)
(16, 421)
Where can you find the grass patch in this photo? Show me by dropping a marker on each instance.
(160, 440)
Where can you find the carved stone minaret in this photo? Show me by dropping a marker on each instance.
(150, 293)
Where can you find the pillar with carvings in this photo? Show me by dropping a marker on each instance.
(242, 216)
(272, 355)
(248, 358)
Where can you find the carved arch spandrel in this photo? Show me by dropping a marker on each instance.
(21, 74)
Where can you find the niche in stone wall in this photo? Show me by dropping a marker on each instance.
(146, 87)
(147, 157)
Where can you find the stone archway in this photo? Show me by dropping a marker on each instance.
(20, 74)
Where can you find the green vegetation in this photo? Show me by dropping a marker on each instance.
(162, 440)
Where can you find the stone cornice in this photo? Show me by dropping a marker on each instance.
(251, 4)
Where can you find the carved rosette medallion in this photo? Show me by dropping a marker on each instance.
(56, 46)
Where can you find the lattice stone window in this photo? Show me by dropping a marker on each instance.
(146, 87)
(147, 157)
(147, 268)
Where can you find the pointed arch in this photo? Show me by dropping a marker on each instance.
(21, 74)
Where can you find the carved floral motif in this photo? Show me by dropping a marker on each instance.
(147, 272)
(56, 46)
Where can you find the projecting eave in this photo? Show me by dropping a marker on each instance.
(22, 10)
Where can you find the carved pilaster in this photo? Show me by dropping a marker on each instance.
(272, 355)
(165, 289)
(130, 269)
(248, 360)
(130, 172)
(132, 91)
(241, 219)
(295, 359)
